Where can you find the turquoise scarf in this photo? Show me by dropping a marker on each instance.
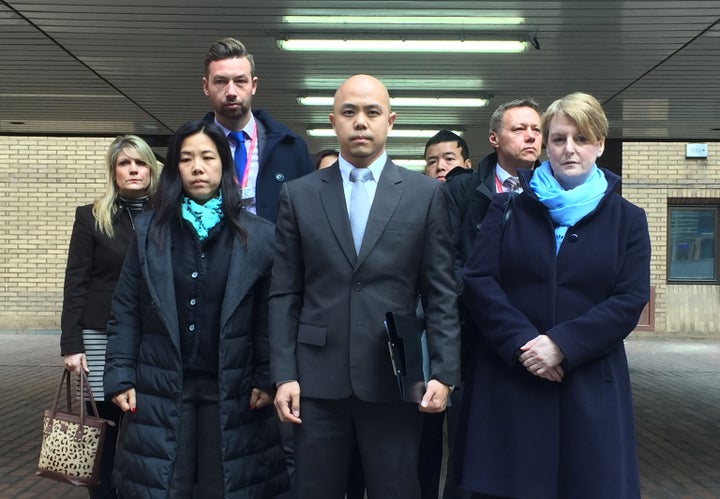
(203, 217)
(567, 207)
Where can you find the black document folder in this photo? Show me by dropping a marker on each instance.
(406, 353)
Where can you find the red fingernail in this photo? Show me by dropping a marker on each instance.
(133, 409)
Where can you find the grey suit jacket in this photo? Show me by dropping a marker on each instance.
(327, 304)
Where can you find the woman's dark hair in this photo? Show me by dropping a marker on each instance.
(321, 154)
(168, 199)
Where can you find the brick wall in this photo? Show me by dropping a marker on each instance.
(653, 172)
(42, 180)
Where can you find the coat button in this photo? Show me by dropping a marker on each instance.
(194, 275)
(192, 302)
(573, 238)
(191, 327)
(279, 176)
(358, 286)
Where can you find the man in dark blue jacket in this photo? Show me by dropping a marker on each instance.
(516, 139)
(273, 153)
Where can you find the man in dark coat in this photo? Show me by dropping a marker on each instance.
(515, 136)
(274, 154)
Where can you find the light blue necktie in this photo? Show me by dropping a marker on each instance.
(359, 204)
(240, 154)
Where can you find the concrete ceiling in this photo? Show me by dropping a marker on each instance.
(113, 67)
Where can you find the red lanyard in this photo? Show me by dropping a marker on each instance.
(498, 185)
(253, 140)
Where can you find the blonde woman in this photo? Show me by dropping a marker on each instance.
(100, 238)
(555, 282)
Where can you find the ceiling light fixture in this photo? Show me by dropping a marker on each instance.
(407, 101)
(406, 20)
(395, 132)
(413, 164)
(396, 82)
(373, 45)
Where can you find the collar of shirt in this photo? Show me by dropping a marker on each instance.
(248, 129)
(376, 167)
(501, 173)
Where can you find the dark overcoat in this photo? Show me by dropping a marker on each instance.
(144, 352)
(526, 437)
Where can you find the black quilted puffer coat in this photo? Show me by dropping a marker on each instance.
(144, 352)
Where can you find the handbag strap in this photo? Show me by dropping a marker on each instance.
(85, 387)
(86, 383)
(65, 379)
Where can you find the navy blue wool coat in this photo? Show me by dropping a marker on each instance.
(526, 437)
(144, 352)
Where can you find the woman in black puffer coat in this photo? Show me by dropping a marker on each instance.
(187, 356)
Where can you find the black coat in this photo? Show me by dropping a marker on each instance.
(93, 267)
(530, 438)
(283, 156)
(144, 352)
(468, 194)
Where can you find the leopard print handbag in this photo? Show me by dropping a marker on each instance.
(72, 443)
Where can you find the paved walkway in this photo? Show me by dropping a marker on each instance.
(677, 402)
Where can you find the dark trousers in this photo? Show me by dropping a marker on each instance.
(431, 453)
(105, 489)
(198, 464)
(386, 435)
(452, 420)
(356, 478)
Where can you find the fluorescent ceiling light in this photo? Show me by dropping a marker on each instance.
(413, 164)
(408, 101)
(60, 96)
(394, 82)
(338, 45)
(405, 20)
(402, 133)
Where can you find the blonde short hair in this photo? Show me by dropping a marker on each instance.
(582, 109)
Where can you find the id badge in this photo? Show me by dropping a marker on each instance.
(247, 193)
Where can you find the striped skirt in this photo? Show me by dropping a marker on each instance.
(95, 344)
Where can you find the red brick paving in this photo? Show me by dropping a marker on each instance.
(677, 405)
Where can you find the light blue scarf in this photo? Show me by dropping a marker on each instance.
(203, 217)
(567, 207)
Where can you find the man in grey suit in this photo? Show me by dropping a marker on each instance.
(328, 301)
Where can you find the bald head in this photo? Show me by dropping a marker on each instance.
(362, 84)
(362, 119)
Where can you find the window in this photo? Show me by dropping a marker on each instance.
(692, 253)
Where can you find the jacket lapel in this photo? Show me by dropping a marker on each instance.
(158, 274)
(387, 197)
(241, 276)
(332, 197)
(487, 186)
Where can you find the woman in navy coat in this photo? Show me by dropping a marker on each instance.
(556, 280)
(188, 352)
